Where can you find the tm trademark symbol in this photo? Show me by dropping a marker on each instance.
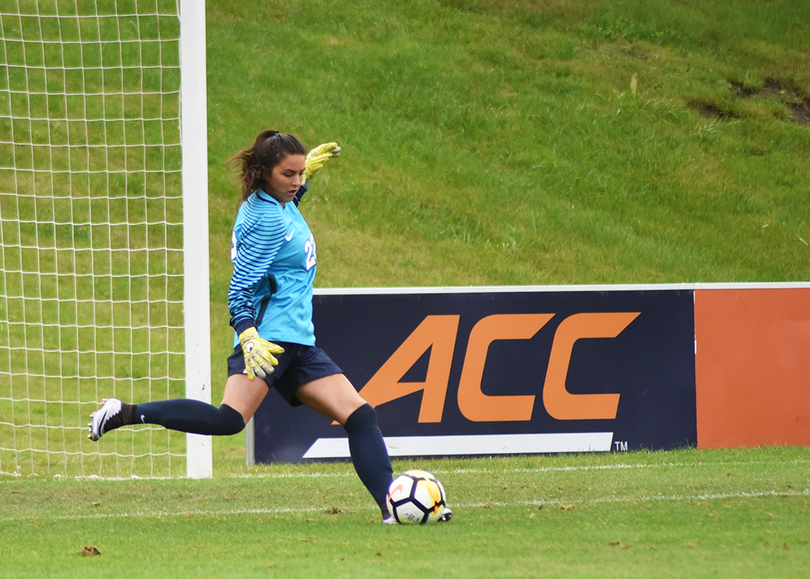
(620, 445)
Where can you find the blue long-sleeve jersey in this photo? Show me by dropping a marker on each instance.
(274, 258)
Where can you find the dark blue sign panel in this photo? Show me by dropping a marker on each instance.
(502, 372)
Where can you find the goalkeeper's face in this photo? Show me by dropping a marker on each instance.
(283, 182)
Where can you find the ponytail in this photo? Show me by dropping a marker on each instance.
(266, 152)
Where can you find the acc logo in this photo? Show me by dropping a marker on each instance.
(439, 334)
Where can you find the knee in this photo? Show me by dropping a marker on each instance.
(360, 418)
(232, 421)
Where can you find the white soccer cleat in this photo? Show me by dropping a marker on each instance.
(388, 518)
(446, 515)
(106, 418)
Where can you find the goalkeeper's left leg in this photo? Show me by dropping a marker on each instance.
(335, 397)
(369, 454)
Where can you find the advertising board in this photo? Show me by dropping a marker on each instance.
(497, 371)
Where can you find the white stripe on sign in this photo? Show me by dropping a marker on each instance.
(471, 445)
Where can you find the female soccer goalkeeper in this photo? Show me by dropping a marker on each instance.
(270, 301)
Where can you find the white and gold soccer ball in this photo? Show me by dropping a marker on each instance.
(416, 497)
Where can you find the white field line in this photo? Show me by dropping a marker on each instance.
(460, 471)
(473, 471)
(491, 471)
(652, 498)
(456, 506)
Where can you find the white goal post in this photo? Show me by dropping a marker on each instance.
(104, 285)
(194, 133)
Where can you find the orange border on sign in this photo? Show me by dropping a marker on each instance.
(752, 367)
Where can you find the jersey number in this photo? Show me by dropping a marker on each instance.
(309, 248)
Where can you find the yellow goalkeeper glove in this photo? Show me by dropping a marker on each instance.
(318, 157)
(259, 359)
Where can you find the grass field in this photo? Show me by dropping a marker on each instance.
(686, 513)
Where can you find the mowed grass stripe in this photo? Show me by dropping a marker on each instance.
(457, 508)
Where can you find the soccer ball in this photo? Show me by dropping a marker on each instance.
(416, 497)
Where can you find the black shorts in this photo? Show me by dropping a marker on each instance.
(298, 365)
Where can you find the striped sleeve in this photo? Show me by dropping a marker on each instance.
(257, 239)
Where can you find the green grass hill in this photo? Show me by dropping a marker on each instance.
(519, 142)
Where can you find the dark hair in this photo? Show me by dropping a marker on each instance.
(267, 151)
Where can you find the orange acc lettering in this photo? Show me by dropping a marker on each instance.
(438, 333)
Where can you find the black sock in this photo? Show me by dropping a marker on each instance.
(191, 416)
(369, 455)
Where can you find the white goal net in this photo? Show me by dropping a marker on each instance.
(92, 257)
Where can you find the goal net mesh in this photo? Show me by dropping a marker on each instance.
(91, 234)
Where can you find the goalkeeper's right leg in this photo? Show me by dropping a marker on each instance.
(112, 414)
(180, 414)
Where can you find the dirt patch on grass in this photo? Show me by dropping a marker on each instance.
(711, 110)
(800, 111)
(795, 99)
(742, 91)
